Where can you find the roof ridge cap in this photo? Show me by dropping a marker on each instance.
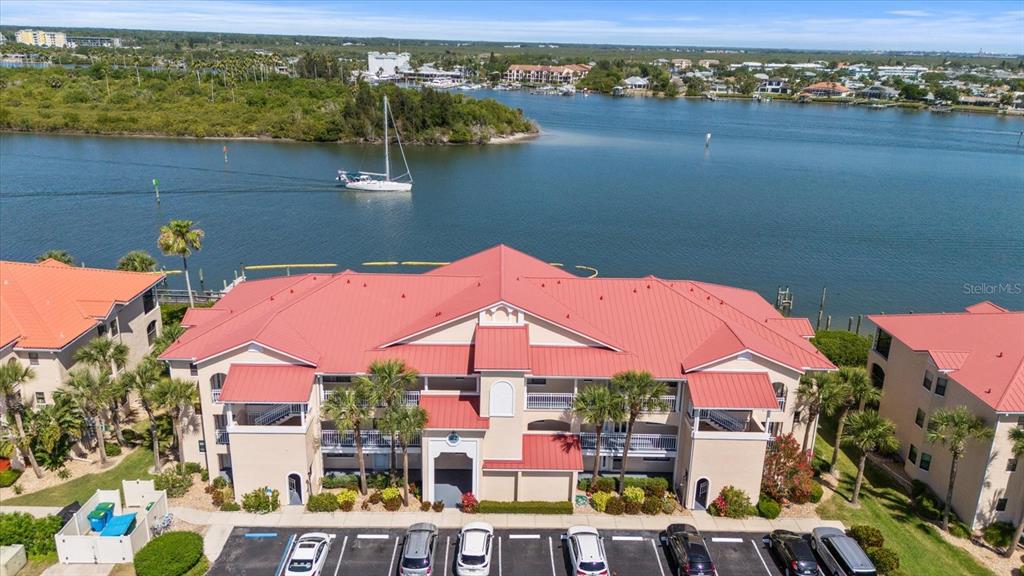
(89, 268)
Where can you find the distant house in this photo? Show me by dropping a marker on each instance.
(681, 63)
(773, 86)
(979, 100)
(827, 90)
(878, 92)
(537, 74)
(636, 82)
(707, 63)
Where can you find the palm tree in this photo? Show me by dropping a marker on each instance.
(137, 261)
(387, 381)
(144, 380)
(168, 334)
(640, 393)
(348, 407)
(59, 255)
(597, 405)
(178, 396)
(409, 422)
(953, 428)
(868, 432)
(179, 238)
(1017, 449)
(12, 376)
(853, 387)
(91, 392)
(106, 354)
(814, 392)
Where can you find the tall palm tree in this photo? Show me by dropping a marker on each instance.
(853, 388)
(1017, 449)
(168, 334)
(178, 396)
(144, 380)
(179, 238)
(137, 261)
(954, 428)
(387, 381)
(640, 393)
(106, 354)
(409, 422)
(91, 392)
(814, 392)
(597, 405)
(59, 255)
(349, 409)
(868, 432)
(12, 376)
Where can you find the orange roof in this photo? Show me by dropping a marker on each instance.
(731, 391)
(544, 452)
(267, 383)
(48, 305)
(453, 412)
(501, 348)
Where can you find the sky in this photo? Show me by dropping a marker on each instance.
(965, 26)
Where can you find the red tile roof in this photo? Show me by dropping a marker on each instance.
(453, 412)
(732, 390)
(48, 305)
(544, 452)
(981, 348)
(501, 348)
(266, 383)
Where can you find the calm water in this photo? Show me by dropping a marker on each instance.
(892, 210)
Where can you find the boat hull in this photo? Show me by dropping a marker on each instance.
(378, 186)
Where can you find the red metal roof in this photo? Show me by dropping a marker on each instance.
(732, 391)
(265, 383)
(453, 412)
(501, 348)
(544, 452)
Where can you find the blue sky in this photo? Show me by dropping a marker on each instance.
(993, 26)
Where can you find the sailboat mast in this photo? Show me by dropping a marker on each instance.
(387, 159)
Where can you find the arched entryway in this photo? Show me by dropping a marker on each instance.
(294, 489)
(453, 476)
(700, 498)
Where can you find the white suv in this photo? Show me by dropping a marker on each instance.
(474, 558)
(586, 551)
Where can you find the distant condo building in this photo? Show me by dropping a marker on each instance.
(94, 42)
(386, 64)
(707, 63)
(42, 38)
(537, 74)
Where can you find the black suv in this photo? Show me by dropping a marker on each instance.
(688, 549)
(794, 551)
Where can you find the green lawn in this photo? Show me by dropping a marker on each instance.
(921, 549)
(135, 466)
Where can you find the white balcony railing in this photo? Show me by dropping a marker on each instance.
(549, 400)
(670, 401)
(411, 398)
(276, 414)
(614, 442)
(222, 436)
(782, 402)
(347, 439)
(722, 420)
(216, 394)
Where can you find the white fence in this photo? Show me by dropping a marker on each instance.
(78, 544)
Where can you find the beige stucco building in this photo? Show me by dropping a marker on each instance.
(975, 358)
(502, 343)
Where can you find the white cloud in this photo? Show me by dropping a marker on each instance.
(910, 13)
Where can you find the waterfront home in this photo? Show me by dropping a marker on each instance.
(827, 90)
(773, 86)
(48, 310)
(878, 92)
(974, 358)
(681, 63)
(537, 74)
(979, 101)
(636, 83)
(502, 343)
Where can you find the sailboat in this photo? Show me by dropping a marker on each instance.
(376, 181)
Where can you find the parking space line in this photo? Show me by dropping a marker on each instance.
(284, 557)
(524, 536)
(499, 555)
(551, 547)
(628, 538)
(763, 563)
(447, 547)
(657, 556)
(728, 540)
(391, 568)
(343, 544)
(373, 536)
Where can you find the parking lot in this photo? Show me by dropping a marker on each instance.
(520, 552)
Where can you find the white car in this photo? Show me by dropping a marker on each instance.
(474, 558)
(586, 550)
(309, 554)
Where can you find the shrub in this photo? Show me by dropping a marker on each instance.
(928, 506)
(668, 506)
(375, 497)
(632, 508)
(217, 497)
(347, 499)
(204, 475)
(378, 481)
(393, 504)
(112, 449)
(731, 503)
(885, 560)
(341, 481)
(867, 536)
(193, 467)
(817, 491)
(652, 506)
(259, 502)
(9, 477)
(392, 498)
(174, 482)
(425, 506)
(524, 507)
(583, 484)
(768, 508)
(786, 474)
(599, 500)
(998, 534)
(170, 554)
(959, 530)
(469, 503)
(323, 502)
(842, 348)
(633, 494)
(438, 506)
(603, 484)
(655, 486)
(230, 507)
(220, 482)
(36, 534)
(616, 506)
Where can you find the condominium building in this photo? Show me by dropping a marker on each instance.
(386, 64)
(536, 74)
(974, 358)
(94, 42)
(49, 310)
(41, 38)
(502, 343)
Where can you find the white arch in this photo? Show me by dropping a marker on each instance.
(502, 401)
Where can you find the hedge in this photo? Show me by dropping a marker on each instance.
(170, 554)
(654, 486)
(325, 502)
(341, 481)
(525, 507)
(36, 534)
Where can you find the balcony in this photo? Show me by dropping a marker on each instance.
(612, 443)
(260, 417)
(726, 425)
(345, 441)
(216, 395)
(564, 401)
(411, 398)
(222, 436)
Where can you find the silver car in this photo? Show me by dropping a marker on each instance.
(840, 554)
(586, 551)
(474, 557)
(309, 554)
(418, 550)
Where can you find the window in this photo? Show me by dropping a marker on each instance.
(1001, 505)
(926, 461)
(40, 397)
(927, 381)
(1020, 421)
(775, 429)
(151, 332)
(332, 379)
(113, 327)
(202, 446)
(877, 376)
(148, 301)
(940, 385)
(796, 417)
(883, 342)
(780, 394)
(33, 358)
(101, 330)
(1011, 465)
(193, 369)
(912, 455)
(503, 399)
(536, 381)
(919, 418)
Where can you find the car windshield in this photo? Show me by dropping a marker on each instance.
(591, 566)
(473, 560)
(415, 563)
(300, 565)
